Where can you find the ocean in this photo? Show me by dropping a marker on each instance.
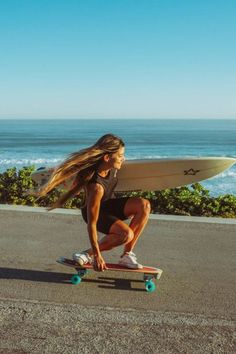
(48, 142)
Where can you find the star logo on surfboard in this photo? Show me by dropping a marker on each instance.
(191, 172)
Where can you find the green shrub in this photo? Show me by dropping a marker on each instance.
(13, 186)
(192, 200)
(17, 187)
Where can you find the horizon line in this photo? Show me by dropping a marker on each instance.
(117, 118)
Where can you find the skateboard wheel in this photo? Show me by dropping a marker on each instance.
(150, 286)
(75, 279)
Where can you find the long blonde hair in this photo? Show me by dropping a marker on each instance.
(83, 164)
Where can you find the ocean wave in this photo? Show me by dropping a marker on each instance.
(219, 188)
(28, 162)
(226, 174)
(143, 157)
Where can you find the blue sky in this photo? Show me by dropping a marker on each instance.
(117, 59)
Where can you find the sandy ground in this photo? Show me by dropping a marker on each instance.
(192, 311)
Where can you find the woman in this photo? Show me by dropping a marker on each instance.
(95, 169)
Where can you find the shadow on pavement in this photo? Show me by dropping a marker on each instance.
(64, 278)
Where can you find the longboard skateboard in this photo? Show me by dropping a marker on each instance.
(149, 273)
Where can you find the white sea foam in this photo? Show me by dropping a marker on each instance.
(226, 174)
(229, 173)
(28, 162)
(143, 156)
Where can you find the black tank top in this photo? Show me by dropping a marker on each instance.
(108, 183)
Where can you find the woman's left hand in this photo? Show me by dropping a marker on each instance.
(99, 264)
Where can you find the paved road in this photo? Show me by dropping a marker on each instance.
(193, 309)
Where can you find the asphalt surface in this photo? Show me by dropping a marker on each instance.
(192, 310)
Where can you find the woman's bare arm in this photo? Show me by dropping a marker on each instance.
(94, 197)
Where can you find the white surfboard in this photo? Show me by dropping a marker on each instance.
(155, 174)
(148, 175)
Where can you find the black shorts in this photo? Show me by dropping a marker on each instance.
(110, 211)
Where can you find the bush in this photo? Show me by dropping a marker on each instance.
(13, 186)
(194, 200)
(16, 187)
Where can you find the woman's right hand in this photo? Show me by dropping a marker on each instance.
(99, 264)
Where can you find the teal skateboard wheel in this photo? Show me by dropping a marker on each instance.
(150, 286)
(76, 279)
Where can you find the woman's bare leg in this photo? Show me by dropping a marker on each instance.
(120, 234)
(140, 209)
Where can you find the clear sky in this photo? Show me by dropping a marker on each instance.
(117, 59)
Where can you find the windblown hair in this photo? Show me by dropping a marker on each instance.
(83, 165)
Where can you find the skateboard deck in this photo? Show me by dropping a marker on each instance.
(149, 273)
